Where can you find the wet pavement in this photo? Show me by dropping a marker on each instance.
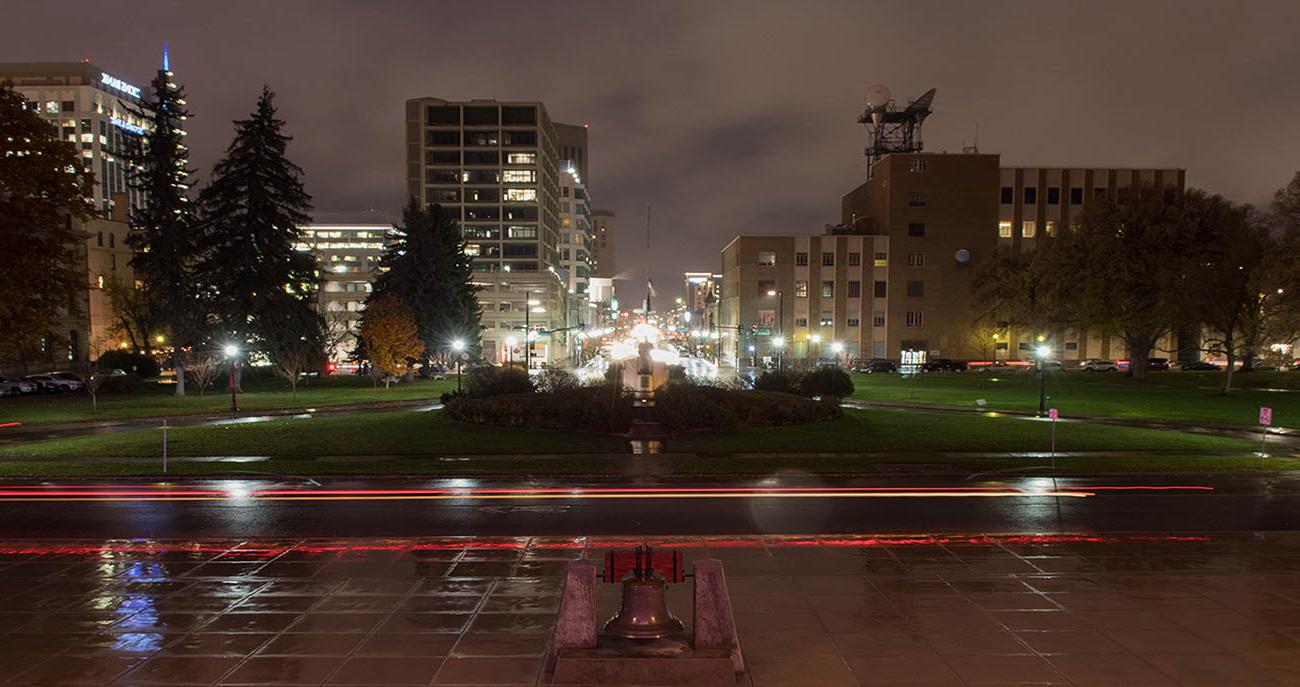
(1069, 609)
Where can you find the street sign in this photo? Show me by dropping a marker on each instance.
(1266, 416)
(1051, 412)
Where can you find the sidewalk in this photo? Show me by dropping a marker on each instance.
(828, 611)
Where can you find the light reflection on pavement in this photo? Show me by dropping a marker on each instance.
(1070, 608)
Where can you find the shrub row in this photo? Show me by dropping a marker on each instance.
(682, 407)
(591, 409)
(823, 382)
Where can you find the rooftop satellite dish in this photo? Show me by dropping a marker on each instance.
(877, 100)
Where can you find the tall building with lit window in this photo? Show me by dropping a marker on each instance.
(603, 259)
(347, 248)
(495, 166)
(96, 112)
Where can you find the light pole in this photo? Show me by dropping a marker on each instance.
(1043, 352)
(458, 346)
(838, 349)
(511, 342)
(816, 340)
(232, 352)
(780, 325)
(528, 331)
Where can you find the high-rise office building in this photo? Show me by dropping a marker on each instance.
(96, 112)
(347, 248)
(494, 165)
(575, 244)
(602, 243)
(571, 142)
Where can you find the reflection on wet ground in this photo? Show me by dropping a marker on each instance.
(1072, 610)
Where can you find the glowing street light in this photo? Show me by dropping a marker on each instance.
(232, 352)
(1043, 351)
(458, 346)
(837, 348)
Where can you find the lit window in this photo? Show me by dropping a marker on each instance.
(1004, 230)
(518, 176)
(1050, 228)
(1028, 229)
(521, 194)
(521, 158)
(99, 281)
(766, 258)
(828, 289)
(473, 249)
(801, 288)
(827, 319)
(881, 260)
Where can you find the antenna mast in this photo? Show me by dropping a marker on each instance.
(893, 130)
(649, 287)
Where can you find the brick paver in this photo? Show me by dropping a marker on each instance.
(956, 610)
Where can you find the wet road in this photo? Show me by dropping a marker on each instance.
(406, 508)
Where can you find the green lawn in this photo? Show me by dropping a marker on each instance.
(396, 432)
(155, 400)
(407, 432)
(1182, 396)
(850, 465)
(908, 431)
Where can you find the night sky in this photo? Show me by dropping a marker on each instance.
(728, 117)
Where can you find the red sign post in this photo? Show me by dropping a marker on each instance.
(1265, 421)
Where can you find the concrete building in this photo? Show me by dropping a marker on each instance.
(602, 243)
(575, 244)
(495, 166)
(347, 248)
(701, 298)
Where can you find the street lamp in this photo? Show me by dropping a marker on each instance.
(232, 352)
(780, 323)
(511, 342)
(458, 346)
(816, 340)
(1043, 352)
(838, 349)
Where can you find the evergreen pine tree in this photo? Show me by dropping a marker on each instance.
(426, 269)
(164, 228)
(262, 290)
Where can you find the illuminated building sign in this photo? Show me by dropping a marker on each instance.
(119, 85)
(127, 126)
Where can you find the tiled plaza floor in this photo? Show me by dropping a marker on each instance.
(1142, 610)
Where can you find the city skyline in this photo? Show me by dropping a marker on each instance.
(703, 113)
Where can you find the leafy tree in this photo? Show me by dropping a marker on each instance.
(1223, 273)
(390, 336)
(43, 190)
(1122, 271)
(252, 212)
(426, 268)
(164, 230)
(294, 341)
(1016, 291)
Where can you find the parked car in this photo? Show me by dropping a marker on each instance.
(49, 384)
(1049, 366)
(944, 365)
(1098, 365)
(1158, 364)
(14, 387)
(1199, 365)
(878, 367)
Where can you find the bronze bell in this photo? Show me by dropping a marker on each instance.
(643, 607)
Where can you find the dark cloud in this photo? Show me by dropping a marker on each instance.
(729, 117)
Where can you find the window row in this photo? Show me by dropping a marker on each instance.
(1028, 229)
(482, 195)
(477, 157)
(481, 114)
(434, 137)
(490, 232)
(1029, 195)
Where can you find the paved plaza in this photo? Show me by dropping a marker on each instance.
(951, 610)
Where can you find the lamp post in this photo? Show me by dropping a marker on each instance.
(780, 325)
(232, 352)
(1043, 352)
(458, 346)
(816, 340)
(838, 349)
(511, 342)
(528, 331)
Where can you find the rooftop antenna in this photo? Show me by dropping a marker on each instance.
(973, 148)
(167, 61)
(893, 130)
